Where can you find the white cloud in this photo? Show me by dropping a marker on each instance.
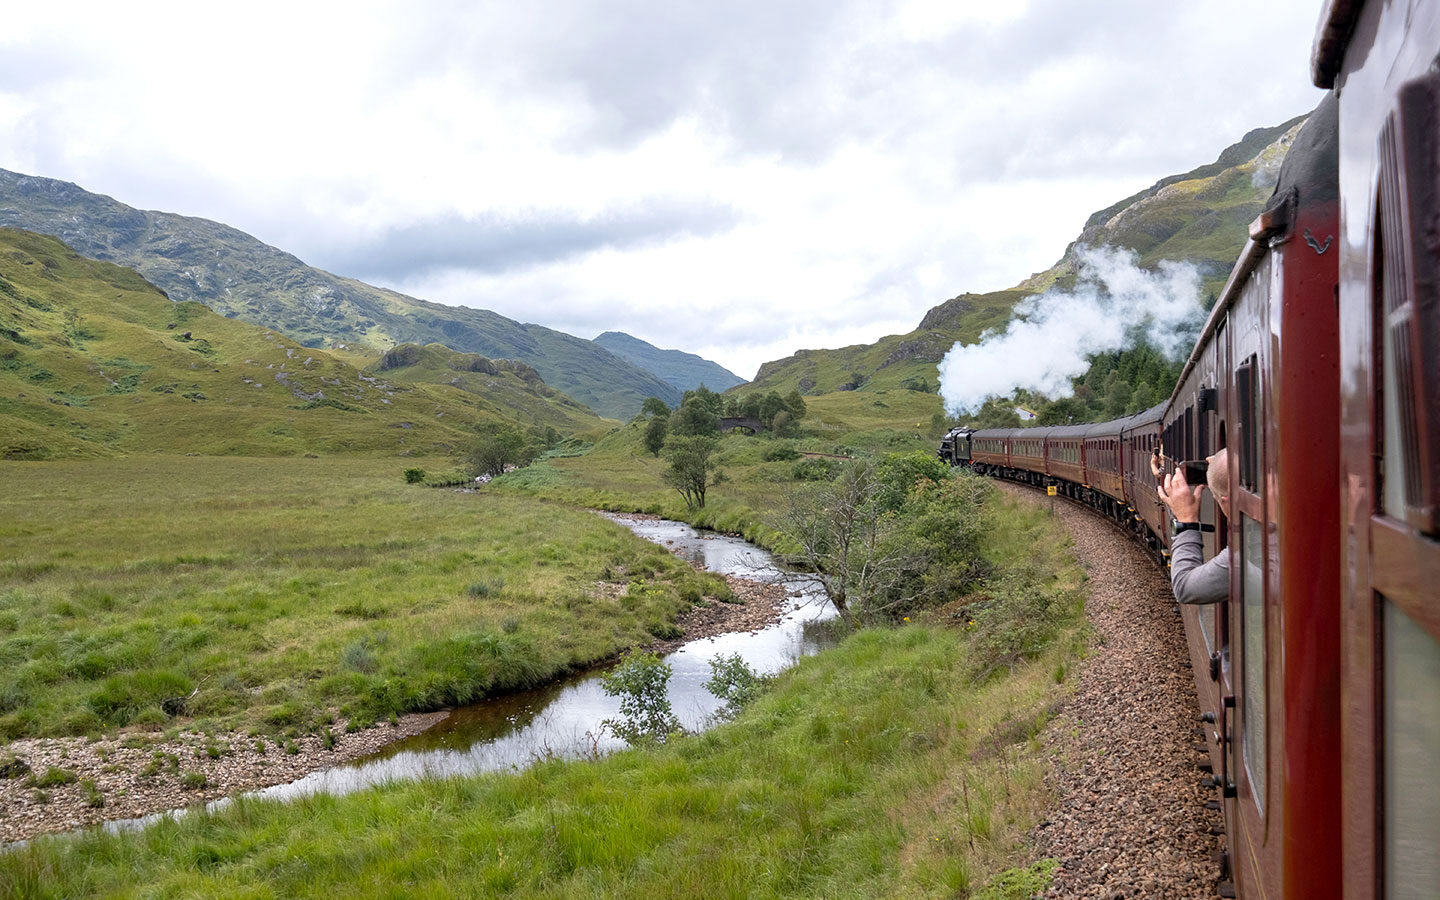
(876, 159)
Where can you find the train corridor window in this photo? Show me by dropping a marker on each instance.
(1406, 323)
(1411, 740)
(1253, 661)
(1249, 441)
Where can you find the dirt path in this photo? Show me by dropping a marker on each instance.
(1130, 820)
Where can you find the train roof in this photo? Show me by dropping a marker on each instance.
(1112, 428)
(1337, 21)
(1309, 175)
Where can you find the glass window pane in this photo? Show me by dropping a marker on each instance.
(1392, 482)
(1411, 758)
(1253, 560)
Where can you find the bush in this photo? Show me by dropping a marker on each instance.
(54, 777)
(641, 681)
(815, 468)
(780, 453)
(414, 476)
(1019, 620)
(734, 682)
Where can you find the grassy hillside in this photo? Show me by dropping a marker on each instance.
(1201, 217)
(503, 388)
(94, 360)
(238, 276)
(682, 371)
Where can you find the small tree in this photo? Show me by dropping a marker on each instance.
(655, 433)
(498, 448)
(796, 404)
(695, 418)
(654, 406)
(642, 682)
(734, 682)
(690, 467)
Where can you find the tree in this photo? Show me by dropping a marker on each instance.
(796, 404)
(706, 398)
(655, 433)
(875, 561)
(642, 682)
(694, 418)
(654, 406)
(498, 448)
(690, 467)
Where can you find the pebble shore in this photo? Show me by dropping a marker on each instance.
(1130, 818)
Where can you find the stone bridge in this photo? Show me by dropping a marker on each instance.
(729, 422)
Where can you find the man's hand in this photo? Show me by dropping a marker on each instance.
(1183, 500)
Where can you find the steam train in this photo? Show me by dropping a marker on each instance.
(1319, 370)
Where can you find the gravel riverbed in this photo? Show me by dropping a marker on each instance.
(1130, 817)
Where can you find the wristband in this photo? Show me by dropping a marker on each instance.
(1186, 526)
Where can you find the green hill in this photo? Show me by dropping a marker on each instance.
(682, 371)
(1201, 217)
(241, 277)
(95, 361)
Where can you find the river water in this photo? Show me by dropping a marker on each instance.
(564, 718)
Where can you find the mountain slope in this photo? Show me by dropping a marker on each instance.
(94, 360)
(241, 277)
(1201, 217)
(682, 371)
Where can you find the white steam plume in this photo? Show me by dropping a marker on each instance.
(1113, 303)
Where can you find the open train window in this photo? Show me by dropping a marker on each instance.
(1406, 306)
(1247, 450)
(1252, 660)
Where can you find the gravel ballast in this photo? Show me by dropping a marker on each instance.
(1130, 817)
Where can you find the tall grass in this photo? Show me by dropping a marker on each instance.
(275, 591)
(877, 769)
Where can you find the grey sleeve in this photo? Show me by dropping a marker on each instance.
(1195, 581)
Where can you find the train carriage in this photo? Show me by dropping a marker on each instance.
(1064, 457)
(1382, 60)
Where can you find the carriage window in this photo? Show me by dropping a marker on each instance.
(1249, 440)
(1253, 738)
(1411, 738)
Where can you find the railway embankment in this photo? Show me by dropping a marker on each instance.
(1129, 819)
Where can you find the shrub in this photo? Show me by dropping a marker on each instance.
(414, 476)
(780, 453)
(641, 681)
(734, 682)
(814, 469)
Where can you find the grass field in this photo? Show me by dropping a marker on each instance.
(880, 768)
(285, 588)
(618, 474)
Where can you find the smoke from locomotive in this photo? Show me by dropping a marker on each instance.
(1049, 341)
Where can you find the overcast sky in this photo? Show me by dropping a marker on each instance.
(735, 179)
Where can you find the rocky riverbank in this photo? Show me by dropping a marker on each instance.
(58, 784)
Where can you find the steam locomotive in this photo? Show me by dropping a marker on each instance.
(1319, 370)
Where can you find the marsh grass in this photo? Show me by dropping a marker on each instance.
(896, 764)
(266, 592)
(867, 771)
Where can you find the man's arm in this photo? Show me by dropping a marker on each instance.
(1192, 580)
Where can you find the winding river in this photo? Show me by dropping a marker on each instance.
(563, 719)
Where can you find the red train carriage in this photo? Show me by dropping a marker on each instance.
(1139, 436)
(1381, 58)
(1064, 457)
(1102, 468)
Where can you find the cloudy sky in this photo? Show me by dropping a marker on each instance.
(736, 179)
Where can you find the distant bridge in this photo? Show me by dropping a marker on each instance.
(754, 425)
